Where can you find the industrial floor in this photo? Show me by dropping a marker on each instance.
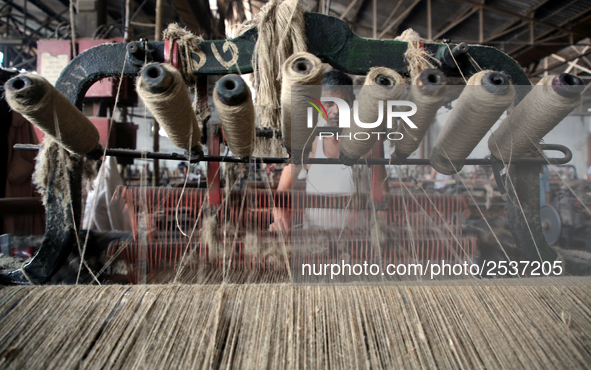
(280, 326)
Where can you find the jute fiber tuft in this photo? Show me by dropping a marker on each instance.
(188, 44)
(416, 56)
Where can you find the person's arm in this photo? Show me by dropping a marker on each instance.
(281, 215)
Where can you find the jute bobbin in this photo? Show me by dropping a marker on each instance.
(165, 94)
(427, 92)
(549, 102)
(381, 84)
(487, 95)
(233, 102)
(45, 107)
(302, 75)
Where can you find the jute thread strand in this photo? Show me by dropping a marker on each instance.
(249, 326)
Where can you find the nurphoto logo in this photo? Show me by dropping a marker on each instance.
(345, 116)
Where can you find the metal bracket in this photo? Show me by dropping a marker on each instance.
(139, 52)
(500, 171)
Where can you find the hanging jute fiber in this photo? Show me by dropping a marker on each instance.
(188, 44)
(280, 326)
(281, 33)
(486, 96)
(536, 115)
(165, 94)
(45, 107)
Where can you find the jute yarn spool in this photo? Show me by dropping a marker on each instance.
(302, 75)
(486, 96)
(45, 107)
(549, 102)
(381, 84)
(233, 102)
(165, 94)
(427, 92)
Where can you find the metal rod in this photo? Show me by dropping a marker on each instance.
(73, 29)
(156, 125)
(126, 20)
(351, 4)
(124, 153)
(399, 20)
(429, 22)
(375, 18)
(481, 25)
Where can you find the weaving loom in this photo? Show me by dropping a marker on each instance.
(242, 312)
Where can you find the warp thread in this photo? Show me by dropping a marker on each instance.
(379, 231)
(381, 84)
(238, 123)
(302, 75)
(171, 107)
(281, 33)
(536, 115)
(428, 103)
(44, 106)
(475, 112)
(253, 326)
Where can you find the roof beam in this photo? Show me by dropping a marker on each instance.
(505, 31)
(47, 22)
(400, 19)
(17, 22)
(392, 13)
(512, 26)
(7, 3)
(516, 15)
(572, 64)
(355, 6)
(50, 11)
(22, 11)
(563, 62)
(576, 61)
(349, 7)
(456, 21)
(581, 25)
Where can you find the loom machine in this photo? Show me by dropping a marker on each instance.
(420, 227)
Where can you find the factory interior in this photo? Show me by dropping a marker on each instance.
(295, 184)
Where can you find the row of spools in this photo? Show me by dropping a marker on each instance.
(478, 107)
